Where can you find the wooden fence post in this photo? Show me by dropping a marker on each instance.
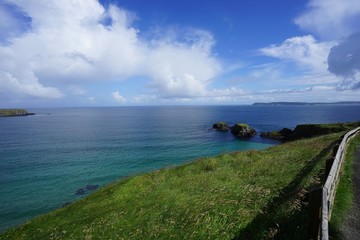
(314, 217)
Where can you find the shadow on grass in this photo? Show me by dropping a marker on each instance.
(269, 224)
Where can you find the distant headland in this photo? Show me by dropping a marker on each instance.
(307, 103)
(14, 112)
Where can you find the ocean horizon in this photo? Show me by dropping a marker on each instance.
(61, 155)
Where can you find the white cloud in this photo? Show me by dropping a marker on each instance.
(30, 87)
(305, 51)
(287, 91)
(331, 19)
(69, 44)
(350, 83)
(178, 72)
(117, 97)
(322, 88)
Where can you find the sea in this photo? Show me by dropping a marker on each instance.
(61, 155)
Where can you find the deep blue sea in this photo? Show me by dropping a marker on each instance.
(47, 160)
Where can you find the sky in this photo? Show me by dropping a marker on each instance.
(67, 53)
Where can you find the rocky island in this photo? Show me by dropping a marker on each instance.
(14, 112)
(243, 130)
(239, 129)
(221, 126)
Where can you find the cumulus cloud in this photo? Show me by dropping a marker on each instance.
(305, 54)
(331, 19)
(74, 42)
(305, 51)
(177, 72)
(118, 97)
(30, 87)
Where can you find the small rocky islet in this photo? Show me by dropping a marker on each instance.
(239, 129)
(243, 130)
(221, 126)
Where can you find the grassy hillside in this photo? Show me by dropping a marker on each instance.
(242, 195)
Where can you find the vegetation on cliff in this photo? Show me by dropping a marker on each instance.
(309, 130)
(14, 112)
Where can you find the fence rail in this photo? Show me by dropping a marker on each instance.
(329, 188)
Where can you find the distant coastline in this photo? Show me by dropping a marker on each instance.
(306, 103)
(14, 112)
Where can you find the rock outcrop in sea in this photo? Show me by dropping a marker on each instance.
(243, 130)
(221, 126)
(239, 129)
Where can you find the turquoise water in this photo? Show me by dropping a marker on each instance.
(47, 160)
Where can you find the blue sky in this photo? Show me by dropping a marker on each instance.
(157, 52)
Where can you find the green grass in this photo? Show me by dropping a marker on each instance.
(241, 195)
(346, 126)
(338, 127)
(345, 193)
